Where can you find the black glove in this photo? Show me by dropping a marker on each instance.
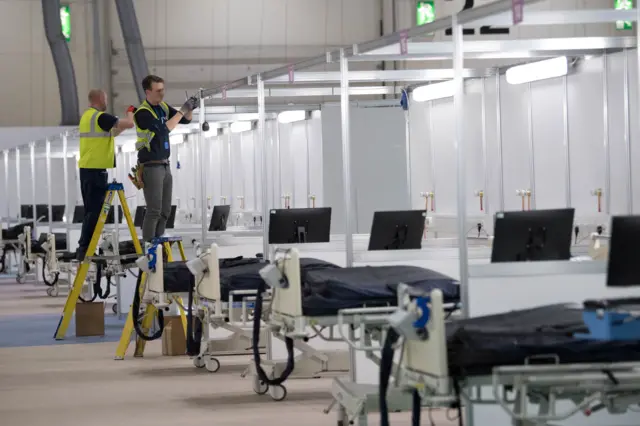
(195, 102)
(191, 104)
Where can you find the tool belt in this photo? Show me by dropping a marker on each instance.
(136, 176)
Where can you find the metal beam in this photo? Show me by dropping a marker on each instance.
(463, 17)
(380, 75)
(560, 17)
(486, 49)
(310, 92)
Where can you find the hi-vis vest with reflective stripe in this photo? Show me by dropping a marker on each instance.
(96, 146)
(146, 136)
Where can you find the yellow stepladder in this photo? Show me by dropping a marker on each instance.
(81, 275)
(150, 311)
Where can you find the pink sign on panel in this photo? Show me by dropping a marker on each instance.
(517, 7)
(290, 73)
(404, 48)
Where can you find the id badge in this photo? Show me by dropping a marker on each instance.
(166, 144)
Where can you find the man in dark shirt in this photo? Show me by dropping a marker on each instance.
(154, 121)
(97, 154)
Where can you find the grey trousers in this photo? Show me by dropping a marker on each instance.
(158, 185)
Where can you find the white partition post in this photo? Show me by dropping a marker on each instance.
(48, 171)
(278, 163)
(607, 148)
(532, 163)
(18, 197)
(627, 132)
(458, 105)
(483, 112)
(6, 185)
(265, 195)
(407, 145)
(346, 156)
(67, 209)
(567, 145)
(203, 186)
(499, 141)
(32, 161)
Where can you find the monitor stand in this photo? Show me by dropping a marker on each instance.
(535, 244)
(399, 238)
(302, 234)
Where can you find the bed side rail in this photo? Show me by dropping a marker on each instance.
(591, 387)
(422, 324)
(287, 298)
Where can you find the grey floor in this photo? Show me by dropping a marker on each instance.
(47, 384)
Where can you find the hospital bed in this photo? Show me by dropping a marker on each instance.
(542, 365)
(10, 244)
(226, 286)
(303, 305)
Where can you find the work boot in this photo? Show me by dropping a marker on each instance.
(80, 254)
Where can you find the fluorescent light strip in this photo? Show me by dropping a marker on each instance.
(286, 117)
(527, 73)
(240, 126)
(434, 91)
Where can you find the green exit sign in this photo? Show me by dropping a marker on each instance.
(65, 21)
(623, 5)
(425, 12)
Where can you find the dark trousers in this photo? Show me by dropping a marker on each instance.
(93, 184)
(158, 185)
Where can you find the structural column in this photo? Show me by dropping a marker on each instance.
(263, 145)
(346, 156)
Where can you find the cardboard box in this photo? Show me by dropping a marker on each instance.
(173, 337)
(90, 319)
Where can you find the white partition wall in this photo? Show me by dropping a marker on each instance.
(301, 161)
(379, 164)
(550, 137)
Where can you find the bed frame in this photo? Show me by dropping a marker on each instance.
(543, 393)
(216, 313)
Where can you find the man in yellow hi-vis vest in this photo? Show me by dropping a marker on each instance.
(154, 120)
(97, 154)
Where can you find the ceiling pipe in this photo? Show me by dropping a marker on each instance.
(67, 86)
(133, 43)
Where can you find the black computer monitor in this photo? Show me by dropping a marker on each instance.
(138, 219)
(111, 215)
(532, 235)
(78, 214)
(57, 213)
(219, 218)
(397, 230)
(26, 211)
(624, 257)
(42, 212)
(171, 220)
(298, 226)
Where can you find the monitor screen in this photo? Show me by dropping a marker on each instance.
(622, 269)
(298, 226)
(535, 235)
(397, 230)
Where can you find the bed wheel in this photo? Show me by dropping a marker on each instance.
(52, 291)
(114, 308)
(259, 386)
(212, 365)
(198, 362)
(278, 392)
(21, 279)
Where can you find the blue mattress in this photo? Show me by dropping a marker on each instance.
(476, 345)
(235, 274)
(327, 291)
(326, 288)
